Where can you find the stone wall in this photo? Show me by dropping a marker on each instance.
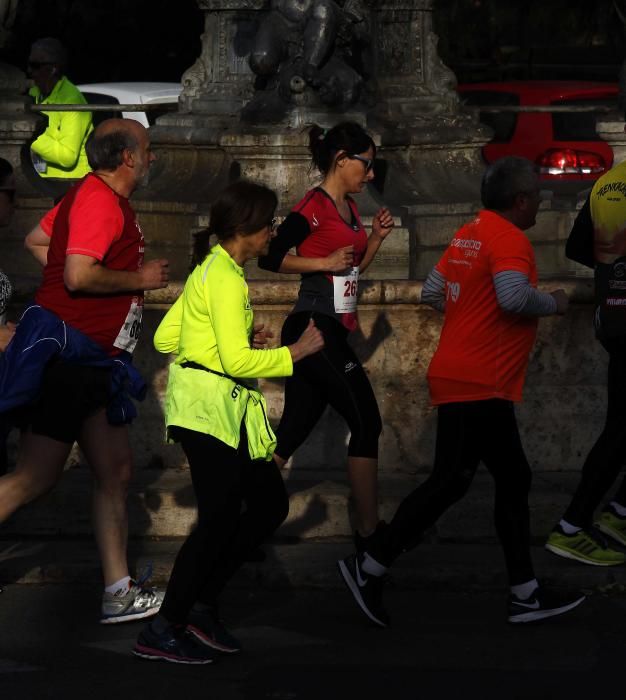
(562, 412)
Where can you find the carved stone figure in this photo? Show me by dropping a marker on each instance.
(310, 45)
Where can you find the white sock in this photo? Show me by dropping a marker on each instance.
(372, 567)
(620, 510)
(120, 587)
(523, 591)
(568, 528)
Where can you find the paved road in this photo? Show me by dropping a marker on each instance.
(313, 645)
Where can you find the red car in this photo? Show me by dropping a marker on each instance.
(564, 144)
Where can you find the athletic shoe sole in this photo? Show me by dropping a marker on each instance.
(209, 642)
(156, 655)
(535, 615)
(580, 557)
(356, 593)
(116, 620)
(613, 534)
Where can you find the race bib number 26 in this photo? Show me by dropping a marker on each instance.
(345, 289)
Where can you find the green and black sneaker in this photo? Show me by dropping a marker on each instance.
(612, 524)
(587, 546)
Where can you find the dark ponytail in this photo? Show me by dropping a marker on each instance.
(346, 136)
(241, 208)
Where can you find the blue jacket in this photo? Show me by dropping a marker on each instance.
(41, 337)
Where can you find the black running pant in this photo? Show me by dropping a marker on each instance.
(240, 504)
(469, 433)
(334, 376)
(606, 457)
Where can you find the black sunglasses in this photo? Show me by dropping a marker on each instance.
(36, 65)
(367, 162)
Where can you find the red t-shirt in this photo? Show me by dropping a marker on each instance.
(93, 220)
(483, 351)
(328, 232)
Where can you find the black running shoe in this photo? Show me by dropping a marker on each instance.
(178, 647)
(207, 628)
(542, 603)
(366, 590)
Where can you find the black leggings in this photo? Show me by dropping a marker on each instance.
(468, 433)
(334, 376)
(240, 504)
(606, 457)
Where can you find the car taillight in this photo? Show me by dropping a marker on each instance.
(566, 161)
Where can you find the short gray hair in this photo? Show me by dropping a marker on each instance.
(105, 150)
(504, 179)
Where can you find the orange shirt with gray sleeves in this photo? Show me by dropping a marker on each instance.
(483, 350)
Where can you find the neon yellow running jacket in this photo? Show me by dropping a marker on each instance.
(211, 324)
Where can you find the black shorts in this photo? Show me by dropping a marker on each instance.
(333, 376)
(69, 395)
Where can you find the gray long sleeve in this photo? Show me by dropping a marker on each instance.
(434, 290)
(516, 295)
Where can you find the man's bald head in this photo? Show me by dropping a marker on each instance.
(129, 126)
(106, 145)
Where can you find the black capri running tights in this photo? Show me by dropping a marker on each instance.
(240, 504)
(334, 376)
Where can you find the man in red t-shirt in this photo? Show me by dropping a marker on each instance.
(94, 277)
(486, 286)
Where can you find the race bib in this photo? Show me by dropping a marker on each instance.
(345, 291)
(129, 334)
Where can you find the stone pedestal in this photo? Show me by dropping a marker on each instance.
(17, 126)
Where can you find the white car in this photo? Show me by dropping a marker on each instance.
(164, 97)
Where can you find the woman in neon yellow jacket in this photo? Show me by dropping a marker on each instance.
(58, 153)
(215, 410)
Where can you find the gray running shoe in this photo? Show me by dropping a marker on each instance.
(138, 603)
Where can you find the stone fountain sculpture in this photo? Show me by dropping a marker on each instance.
(267, 70)
(310, 49)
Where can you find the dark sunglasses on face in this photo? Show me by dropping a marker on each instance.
(367, 162)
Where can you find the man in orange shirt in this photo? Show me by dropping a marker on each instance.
(486, 285)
